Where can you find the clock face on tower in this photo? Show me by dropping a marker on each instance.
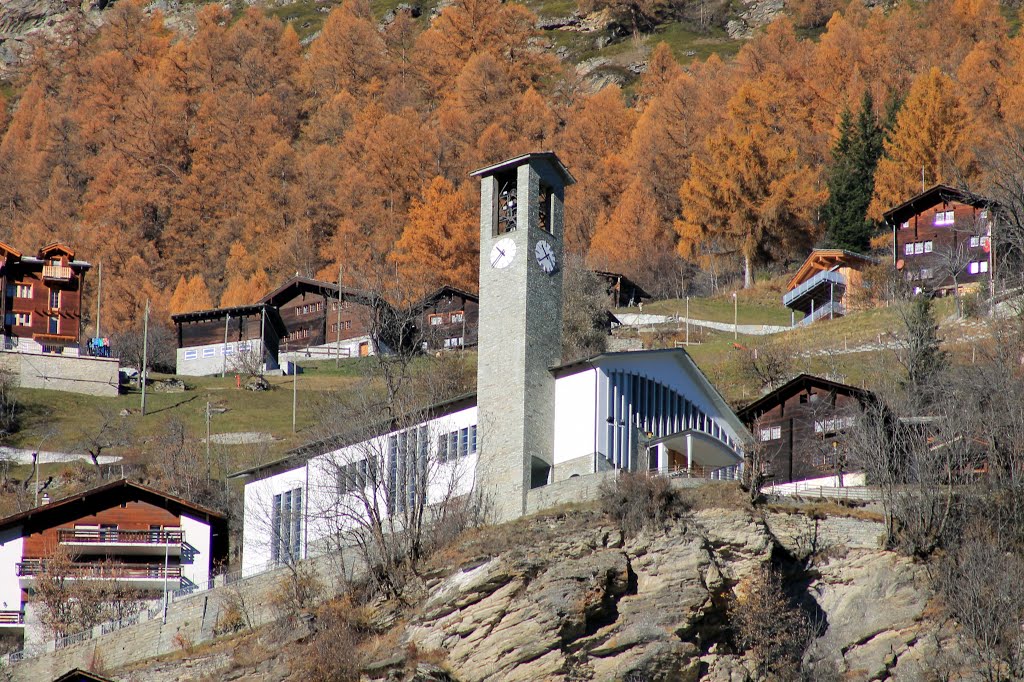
(545, 255)
(503, 253)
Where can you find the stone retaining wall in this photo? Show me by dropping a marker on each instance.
(801, 534)
(88, 375)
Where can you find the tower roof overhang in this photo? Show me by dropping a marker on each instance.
(508, 164)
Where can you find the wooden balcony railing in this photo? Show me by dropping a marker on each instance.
(12, 618)
(59, 272)
(100, 536)
(104, 571)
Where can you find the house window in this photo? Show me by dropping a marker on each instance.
(457, 317)
(353, 477)
(454, 342)
(455, 444)
(191, 354)
(975, 242)
(286, 527)
(436, 320)
(832, 424)
(918, 247)
(334, 328)
(944, 217)
(928, 246)
(977, 267)
(348, 324)
(770, 433)
(54, 298)
(21, 319)
(908, 250)
(209, 352)
(23, 290)
(927, 273)
(53, 327)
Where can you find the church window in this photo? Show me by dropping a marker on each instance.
(286, 526)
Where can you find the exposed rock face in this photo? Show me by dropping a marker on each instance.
(654, 608)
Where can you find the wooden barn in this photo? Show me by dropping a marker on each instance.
(226, 340)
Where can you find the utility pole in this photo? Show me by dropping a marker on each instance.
(295, 392)
(145, 355)
(263, 338)
(99, 295)
(337, 357)
(687, 320)
(735, 317)
(207, 439)
(224, 368)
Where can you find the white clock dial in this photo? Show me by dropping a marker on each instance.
(503, 253)
(545, 255)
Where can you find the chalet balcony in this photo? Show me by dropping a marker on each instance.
(59, 273)
(11, 620)
(121, 542)
(141, 576)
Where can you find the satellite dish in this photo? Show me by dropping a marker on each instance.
(900, 264)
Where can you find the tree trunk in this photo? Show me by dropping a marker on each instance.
(748, 272)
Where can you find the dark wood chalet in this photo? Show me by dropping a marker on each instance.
(42, 303)
(218, 340)
(801, 426)
(622, 291)
(447, 318)
(309, 309)
(124, 532)
(940, 232)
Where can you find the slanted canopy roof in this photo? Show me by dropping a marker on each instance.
(57, 247)
(797, 385)
(939, 194)
(273, 316)
(705, 449)
(827, 259)
(550, 157)
(79, 675)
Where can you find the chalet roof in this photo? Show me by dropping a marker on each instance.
(303, 453)
(618, 276)
(79, 675)
(87, 502)
(273, 316)
(10, 250)
(796, 385)
(57, 247)
(298, 284)
(933, 196)
(826, 259)
(550, 157)
(442, 292)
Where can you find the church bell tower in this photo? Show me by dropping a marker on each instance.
(520, 333)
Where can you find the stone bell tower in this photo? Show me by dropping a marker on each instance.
(520, 333)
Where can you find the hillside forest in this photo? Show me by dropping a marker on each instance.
(201, 168)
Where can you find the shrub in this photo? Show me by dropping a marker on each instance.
(638, 500)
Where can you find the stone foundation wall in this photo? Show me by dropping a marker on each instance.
(579, 489)
(88, 375)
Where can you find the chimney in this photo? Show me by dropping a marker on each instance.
(46, 499)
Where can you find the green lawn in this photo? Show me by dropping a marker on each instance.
(688, 45)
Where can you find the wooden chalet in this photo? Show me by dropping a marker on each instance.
(219, 340)
(42, 305)
(622, 291)
(940, 230)
(824, 285)
(309, 309)
(122, 531)
(447, 318)
(801, 426)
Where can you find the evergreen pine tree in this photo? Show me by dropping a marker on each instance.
(923, 359)
(851, 178)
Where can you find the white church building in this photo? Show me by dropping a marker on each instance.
(533, 421)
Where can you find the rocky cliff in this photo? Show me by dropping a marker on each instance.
(564, 597)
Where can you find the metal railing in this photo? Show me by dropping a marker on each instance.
(828, 309)
(823, 277)
(127, 537)
(105, 571)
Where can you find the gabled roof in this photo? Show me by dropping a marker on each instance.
(933, 196)
(301, 454)
(618, 276)
(826, 259)
(9, 250)
(273, 315)
(102, 497)
(797, 385)
(550, 157)
(79, 675)
(442, 292)
(57, 247)
(297, 284)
